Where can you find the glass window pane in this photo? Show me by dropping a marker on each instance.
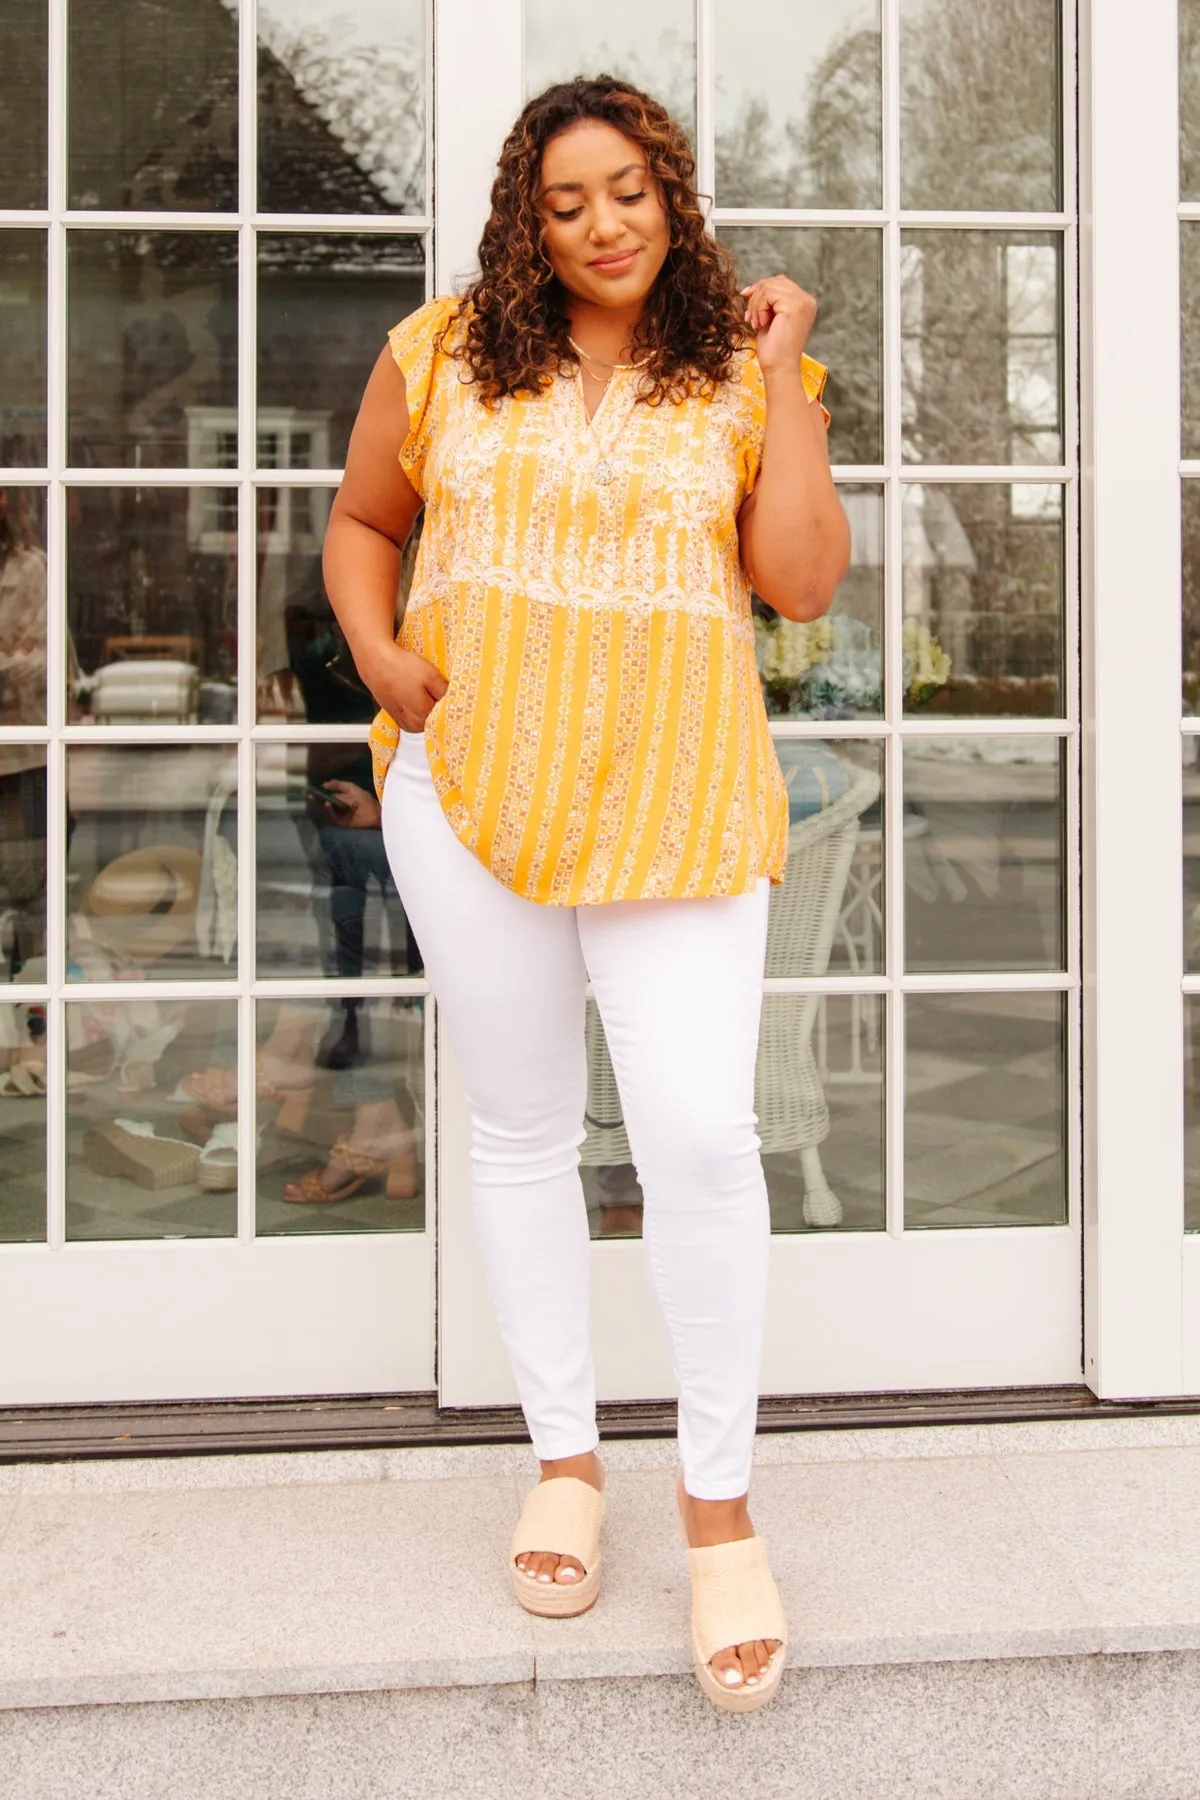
(983, 853)
(1191, 1111)
(832, 668)
(152, 377)
(981, 347)
(153, 105)
(22, 607)
(843, 268)
(22, 1122)
(651, 43)
(325, 307)
(1189, 241)
(1189, 99)
(828, 915)
(152, 605)
(305, 670)
(22, 348)
(24, 45)
(983, 599)
(801, 126)
(819, 1098)
(980, 100)
(23, 862)
(341, 106)
(985, 1110)
(1191, 854)
(151, 862)
(368, 1102)
(1191, 597)
(145, 1159)
(327, 904)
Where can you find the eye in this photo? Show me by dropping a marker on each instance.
(565, 217)
(631, 199)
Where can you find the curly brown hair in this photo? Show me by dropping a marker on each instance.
(516, 333)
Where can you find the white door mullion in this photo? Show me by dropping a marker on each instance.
(56, 631)
(247, 603)
(893, 629)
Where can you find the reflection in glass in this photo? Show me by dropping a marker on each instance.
(985, 1110)
(23, 348)
(344, 1148)
(327, 904)
(22, 702)
(983, 853)
(152, 604)
(152, 373)
(305, 670)
(980, 99)
(22, 607)
(23, 135)
(981, 347)
(153, 106)
(801, 126)
(1191, 854)
(22, 1124)
(649, 42)
(983, 599)
(832, 668)
(1189, 99)
(151, 862)
(1189, 275)
(828, 915)
(341, 106)
(146, 1158)
(819, 1099)
(325, 307)
(1191, 1111)
(844, 269)
(1191, 597)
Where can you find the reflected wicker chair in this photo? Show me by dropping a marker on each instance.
(788, 1096)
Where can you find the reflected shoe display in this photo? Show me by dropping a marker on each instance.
(130, 1150)
(342, 1049)
(357, 1173)
(217, 1167)
(216, 1091)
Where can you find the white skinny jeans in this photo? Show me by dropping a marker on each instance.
(678, 984)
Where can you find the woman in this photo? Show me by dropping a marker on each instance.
(610, 445)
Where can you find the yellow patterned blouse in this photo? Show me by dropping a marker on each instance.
(603, 735)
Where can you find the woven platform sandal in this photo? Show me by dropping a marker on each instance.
(734, 1601)
(562, 1517)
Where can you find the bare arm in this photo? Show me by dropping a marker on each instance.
(795, 539)
(372, 515)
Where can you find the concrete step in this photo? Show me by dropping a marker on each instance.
(995, 1611)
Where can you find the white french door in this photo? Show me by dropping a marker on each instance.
(918, 1082)
(205, 230)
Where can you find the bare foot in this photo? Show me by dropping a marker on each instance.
(710, 1522)
(543, 1565)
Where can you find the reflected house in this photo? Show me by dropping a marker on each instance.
(153, 331)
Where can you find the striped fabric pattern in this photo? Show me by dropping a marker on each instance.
(603, 735)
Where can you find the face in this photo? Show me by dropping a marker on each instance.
(604, 225)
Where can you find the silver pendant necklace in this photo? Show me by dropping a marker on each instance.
(604, 472)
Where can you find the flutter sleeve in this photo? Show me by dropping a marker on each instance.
(754, 400)
(417, 344)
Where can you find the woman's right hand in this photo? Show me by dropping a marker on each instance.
(404, 684)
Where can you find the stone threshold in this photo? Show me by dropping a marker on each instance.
(356, 1572)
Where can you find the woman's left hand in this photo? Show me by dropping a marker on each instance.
(781, 315)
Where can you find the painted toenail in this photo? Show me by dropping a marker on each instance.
(732, 1678)
(752, 1681)
(568, 1574)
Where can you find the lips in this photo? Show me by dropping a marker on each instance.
(615, 265)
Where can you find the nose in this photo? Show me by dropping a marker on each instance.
(606, 226)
